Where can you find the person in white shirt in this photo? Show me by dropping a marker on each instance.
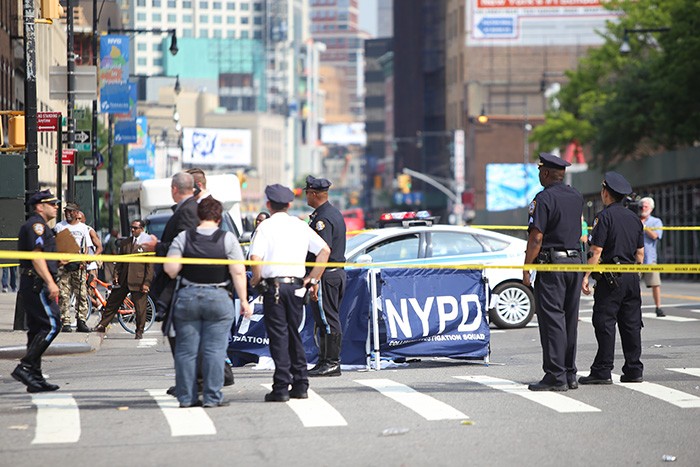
(286, 240)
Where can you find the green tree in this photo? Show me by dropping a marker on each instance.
(628, 106)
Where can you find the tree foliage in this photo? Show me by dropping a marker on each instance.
(626, 106)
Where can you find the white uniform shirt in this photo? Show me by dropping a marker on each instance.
(285, 239)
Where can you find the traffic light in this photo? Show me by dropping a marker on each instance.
(242, 179)
(298, 192)
(16, 131)
(404, 183)
(51, 9)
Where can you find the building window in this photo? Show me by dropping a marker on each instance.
(217, 33)
(157, 62)
(172, 18)
(157, 47)
(142, 62)
(140, 16)
(203, 4)
(257, 35)
(257, 6)
(140, 2)
(157, 17)
(204, 33)
(156, 3)
(231, 20)
(141, 47)
(257, 20)
(216, 6)
(230, 5)
(186, 4)
(172, 4)
(204, 19)
(187, 18)
(245, 20)
(231, 34)
(244, 35)
(217, 19)
(245, 6)
(186, 33)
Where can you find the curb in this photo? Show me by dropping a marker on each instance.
(92, 343)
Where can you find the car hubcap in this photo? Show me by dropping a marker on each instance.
(513, 305)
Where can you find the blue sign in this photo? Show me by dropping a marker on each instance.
(114, 98)
(497, 26)
(114, 74)
(434, 312)
(125, 132)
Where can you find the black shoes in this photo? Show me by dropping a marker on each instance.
(276, 397)
(66, 328)
(660, 313)
(33, 379)
(573, 384)
(196, 403)
(171, 391)
(629, 379)
(328, 368)
(223, 403)
(542, 386)
(99, 328)
(82, 327)
(594, 380)
(295, 393)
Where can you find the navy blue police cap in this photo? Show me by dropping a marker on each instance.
(551, 161)
(44, 196)
(279, 194)
(617, 183)
(318, 184)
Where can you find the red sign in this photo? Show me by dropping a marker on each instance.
(47, 121)
(68, 157)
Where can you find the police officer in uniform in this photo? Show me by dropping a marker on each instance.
(554, 230)
(285, 240)
(328, 222)
(617, 238)
(38, 291)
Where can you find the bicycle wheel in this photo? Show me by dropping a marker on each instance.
(127, 315)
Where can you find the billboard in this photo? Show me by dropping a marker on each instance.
(344, 134)
(216, 146)
(536, 22)
(511, 186)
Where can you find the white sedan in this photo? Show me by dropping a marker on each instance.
(512, 304)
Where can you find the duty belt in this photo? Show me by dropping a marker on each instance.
(565, 253)
(221, 285)
(276, 281)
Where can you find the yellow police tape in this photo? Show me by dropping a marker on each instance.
(151, 258)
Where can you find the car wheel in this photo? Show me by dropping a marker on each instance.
(514, 306)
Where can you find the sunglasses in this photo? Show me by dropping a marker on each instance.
(135, 227)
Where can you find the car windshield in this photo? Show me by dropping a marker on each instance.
(357, 240)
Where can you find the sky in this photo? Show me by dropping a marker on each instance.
(368, 16)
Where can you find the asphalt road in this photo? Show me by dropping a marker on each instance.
(441, 412)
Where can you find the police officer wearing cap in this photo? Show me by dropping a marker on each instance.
(38, 291)
(617, 238)
(554, 229)
(285, 240)
(328, 222)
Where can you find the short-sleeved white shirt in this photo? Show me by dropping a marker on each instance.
(285, 239)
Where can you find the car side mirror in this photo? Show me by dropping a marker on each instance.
(365, 258)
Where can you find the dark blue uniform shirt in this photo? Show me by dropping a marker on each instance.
(36, 234)
(556, 212)
(328, 222)
(619, 232)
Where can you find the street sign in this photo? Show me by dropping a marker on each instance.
(85, 82)
(459, 160)
(89, 162)
(68, 157)
(496, 26)
(47, 121)
(83, 139)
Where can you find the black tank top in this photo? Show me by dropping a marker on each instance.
(205, 246)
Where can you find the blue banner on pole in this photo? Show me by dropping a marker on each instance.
(125, 132)
(114, 74)
(114, 98)
(434, 312)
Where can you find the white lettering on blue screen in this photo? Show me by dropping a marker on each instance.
(446, 307)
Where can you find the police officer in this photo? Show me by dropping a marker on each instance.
(38, 291)
(617, 238)
(285, 240)
(554, 230)
(328, 222)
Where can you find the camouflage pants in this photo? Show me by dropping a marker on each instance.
(73, 283)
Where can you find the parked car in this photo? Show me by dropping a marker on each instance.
(512, 303)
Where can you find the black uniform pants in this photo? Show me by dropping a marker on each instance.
(282, 321)
(327, 309)
(557, 295)
(43, 317)
(620, 305)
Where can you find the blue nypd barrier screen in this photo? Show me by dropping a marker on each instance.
(434, 312)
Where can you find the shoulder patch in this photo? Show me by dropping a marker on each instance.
(595, 222)
(38, 228)
(531, 209)
(320, 225)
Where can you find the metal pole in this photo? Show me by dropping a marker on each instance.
(71, 98)
(31, 160)
(59, 166)
(110, 172)
(95, 199)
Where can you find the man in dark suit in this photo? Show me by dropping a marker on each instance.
(134, 278)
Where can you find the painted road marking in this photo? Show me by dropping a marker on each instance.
(314, 411)
(677, 319)
(672, 396)
(424, 405)
(687, 371)
(147, 342)
(192, 421)
(57, 418)
(552, 400)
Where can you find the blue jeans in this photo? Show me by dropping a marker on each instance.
(203, 318)
(9, 273)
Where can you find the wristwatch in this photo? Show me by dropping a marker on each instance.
(313, 281)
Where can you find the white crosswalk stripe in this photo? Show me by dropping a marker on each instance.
(672, 396)
(314, 411)
(424, 405)
(57, 418)
(147, 342)
(552, 400)
(687, 371)
(192, 421)
(677, 319)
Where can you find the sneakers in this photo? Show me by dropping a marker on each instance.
(82, 327)
(4, 290)
(660, 313)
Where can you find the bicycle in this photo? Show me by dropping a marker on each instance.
(126, 314)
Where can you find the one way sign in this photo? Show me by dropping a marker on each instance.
(82, 139)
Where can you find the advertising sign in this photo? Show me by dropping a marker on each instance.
(114, 74)
(124, 131)
(536, 22)
(216, 146)
(511, 186)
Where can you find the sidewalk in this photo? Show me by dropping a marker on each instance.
(13, 343)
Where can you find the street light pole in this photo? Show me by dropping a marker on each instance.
(95, 198)
(31, 161)
(70, 93)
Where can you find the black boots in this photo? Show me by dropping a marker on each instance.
(321, 353)
(82, 327)
(28, 372)
(330, 366)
